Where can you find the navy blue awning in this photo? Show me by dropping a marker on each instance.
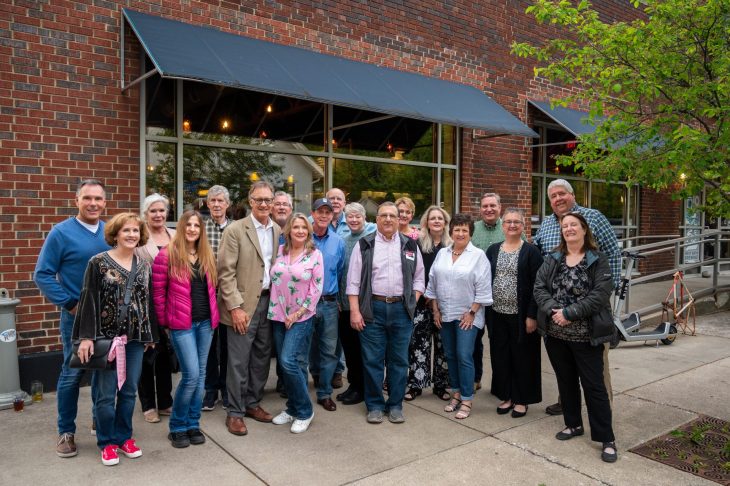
(576, 122)
(183, 51)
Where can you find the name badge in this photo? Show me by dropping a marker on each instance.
(410, 255)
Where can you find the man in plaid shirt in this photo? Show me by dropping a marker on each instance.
(562, 200)
(217, 201)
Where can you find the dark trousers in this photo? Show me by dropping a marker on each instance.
(215, 372)
(515, 361)
(350, 339)
(155, 383)
(580, 364)
(479, 355)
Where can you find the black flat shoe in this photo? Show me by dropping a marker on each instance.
(345, 394)
(411, 394)
(505, 410)
(353, 398)
(609, 456)
(571, 432)
(516, 414)
(442, 394)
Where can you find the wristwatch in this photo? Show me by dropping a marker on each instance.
(472, 312)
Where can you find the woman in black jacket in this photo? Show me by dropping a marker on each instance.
(573, 291)
(514, 346)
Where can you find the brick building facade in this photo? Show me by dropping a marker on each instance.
(63, 116)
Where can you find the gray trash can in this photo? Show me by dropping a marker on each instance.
(9, 376)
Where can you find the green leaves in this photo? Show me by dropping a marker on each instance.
(664, 82)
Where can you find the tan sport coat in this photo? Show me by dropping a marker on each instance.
(241, 268)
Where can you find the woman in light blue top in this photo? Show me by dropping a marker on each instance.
(459, 285)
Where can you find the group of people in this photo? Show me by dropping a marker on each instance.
(405, 308)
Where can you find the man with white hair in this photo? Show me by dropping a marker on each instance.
(218, 200)
(562, 200)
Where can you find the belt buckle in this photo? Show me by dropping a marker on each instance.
(390, 300)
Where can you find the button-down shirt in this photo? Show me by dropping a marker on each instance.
(214, 232)
(456, 285)
(265, 234)
(387, 279)
(333, 255)
(548, 237)
(295, 284)
(485, 235)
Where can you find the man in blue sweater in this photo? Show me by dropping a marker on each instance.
(59, 274)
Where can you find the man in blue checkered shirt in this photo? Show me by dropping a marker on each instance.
(562, 200)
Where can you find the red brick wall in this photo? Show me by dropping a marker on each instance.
(64, 118)
(658, 215)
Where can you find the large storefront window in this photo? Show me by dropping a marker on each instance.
(198, 135)
(618, 202)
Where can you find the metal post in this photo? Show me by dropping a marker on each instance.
(716, 264)
(9, 374)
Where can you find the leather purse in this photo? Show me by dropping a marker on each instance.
(98, 361)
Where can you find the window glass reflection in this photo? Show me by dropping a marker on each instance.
(567, 141)
(160, 172)
(448, 191)
(610, 199)
(371, 183)
(160, 106)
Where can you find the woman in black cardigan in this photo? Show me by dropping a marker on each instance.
(514, 345)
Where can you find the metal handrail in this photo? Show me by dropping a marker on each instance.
(716, 237)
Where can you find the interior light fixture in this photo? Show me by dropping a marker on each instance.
(269, 108)
(186, 126)
(253, 177)
(225, 124)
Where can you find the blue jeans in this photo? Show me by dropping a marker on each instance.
(459, 350)
(293, 347)
(114, 408)
(191, 346)
(325, 333)
(67, 389)
(385, 340)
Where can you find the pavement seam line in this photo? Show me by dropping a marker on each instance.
(235, 459)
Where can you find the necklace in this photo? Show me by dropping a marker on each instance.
(457, 253)
(193, 253)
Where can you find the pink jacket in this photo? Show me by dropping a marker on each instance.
(171, 296)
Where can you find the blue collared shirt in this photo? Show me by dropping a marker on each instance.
(332, 248)
(548, 237)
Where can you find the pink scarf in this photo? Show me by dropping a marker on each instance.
(118, 352)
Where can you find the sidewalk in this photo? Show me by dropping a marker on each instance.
(655, 390)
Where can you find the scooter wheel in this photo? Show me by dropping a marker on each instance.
(672, 335)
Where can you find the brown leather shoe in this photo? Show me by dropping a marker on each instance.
(259, 414)
(236, 426)
(337, 380)
(328, 404)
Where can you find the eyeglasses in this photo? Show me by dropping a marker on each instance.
(261, 201)
(512, 222)
(387, 216)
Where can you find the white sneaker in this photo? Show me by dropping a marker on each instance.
(282, 418)
(300, 426)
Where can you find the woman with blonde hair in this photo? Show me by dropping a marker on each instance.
(184, 281)
(297, 279)
(406, 210)
(433, 237)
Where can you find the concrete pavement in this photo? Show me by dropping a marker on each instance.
(655, 390)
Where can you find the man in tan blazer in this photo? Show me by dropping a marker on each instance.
(245, 256)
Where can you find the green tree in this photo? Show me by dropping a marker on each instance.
(661, 81)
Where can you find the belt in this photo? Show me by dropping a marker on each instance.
(264, 292)
(388, 300)
(329, 298)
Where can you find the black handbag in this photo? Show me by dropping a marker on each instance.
(100, 359)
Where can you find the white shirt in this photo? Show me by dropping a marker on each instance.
(457, 285)
(91, 227)
(266, 242)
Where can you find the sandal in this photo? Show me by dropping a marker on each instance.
(442, 393)
(609, 456)
(453, 405)
(412, 393)
(569, 433)
(462, 413)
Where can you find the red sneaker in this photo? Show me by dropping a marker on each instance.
(109, 455)
(130, 449)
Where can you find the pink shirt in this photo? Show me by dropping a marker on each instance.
(387, 277)
(295, 284)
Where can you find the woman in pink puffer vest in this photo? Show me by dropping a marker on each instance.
(184, 279)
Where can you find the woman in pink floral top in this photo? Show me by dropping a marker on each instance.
(297, 278)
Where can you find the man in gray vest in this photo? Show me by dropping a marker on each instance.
(384, 282)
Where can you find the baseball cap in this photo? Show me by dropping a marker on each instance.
(323, 201)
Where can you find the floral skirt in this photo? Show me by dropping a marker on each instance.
(425, 333)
